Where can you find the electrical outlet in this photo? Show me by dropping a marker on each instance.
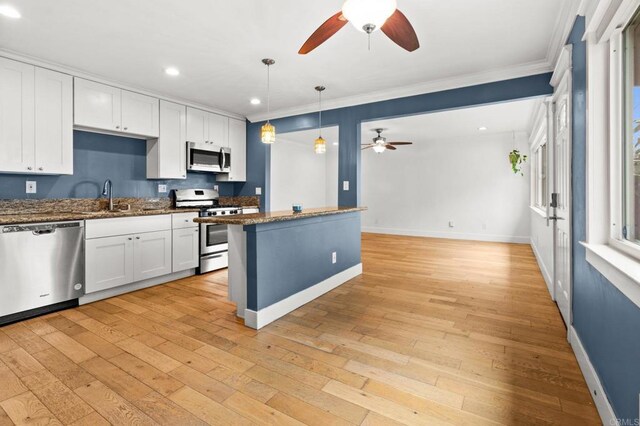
(258, 190)
(162, 189)
(451, 224)
(345, 185)
(216, 187)
(334, 257)
(31, 187)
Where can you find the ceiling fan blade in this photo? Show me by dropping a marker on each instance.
(399, 143)
(322, 34)
(401, 32)
(366, 147)
(391, 147)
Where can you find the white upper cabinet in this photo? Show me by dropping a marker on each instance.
(207, 127)
(97, 106)
(140, 114)
(238, 144)
(53, 122)
(36, 120)
(166, 156)
(218, 129)
(17, 118)
(102, 107)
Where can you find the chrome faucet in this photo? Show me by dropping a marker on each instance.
(107, 191)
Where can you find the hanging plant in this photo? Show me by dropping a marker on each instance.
(517, 160)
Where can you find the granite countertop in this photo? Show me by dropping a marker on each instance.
(61, 216)
(281, 216)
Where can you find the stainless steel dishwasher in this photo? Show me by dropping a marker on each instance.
(41, 268)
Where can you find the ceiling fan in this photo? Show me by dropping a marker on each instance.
(367, 16)
(380, 143)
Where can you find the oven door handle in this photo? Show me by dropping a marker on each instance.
(213, 256)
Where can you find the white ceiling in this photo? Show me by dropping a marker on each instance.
(218, 45)
(497, 118)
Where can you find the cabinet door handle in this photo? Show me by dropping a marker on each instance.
(41, 168)
(29, 168)
(126, 128)
(117, 127)
(196, 230)
(137, 238)
(129, 238)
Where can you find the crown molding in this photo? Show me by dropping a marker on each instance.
(517, 71)
(562, 29)
(74, 72)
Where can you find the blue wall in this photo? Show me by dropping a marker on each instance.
(606, 321)
(284, 258)
(97, 157)
(349, 119)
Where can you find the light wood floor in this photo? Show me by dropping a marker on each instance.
(434, 332)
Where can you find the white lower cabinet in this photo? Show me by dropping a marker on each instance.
(186, 248)
(140, 249)
(109, 262)
(151, 255)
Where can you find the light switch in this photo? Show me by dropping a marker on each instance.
(345, 185)
(334, 257)
(258, 190)
(31, 187)
(162, 189)
(215, 187)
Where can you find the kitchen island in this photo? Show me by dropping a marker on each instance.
(278, 261)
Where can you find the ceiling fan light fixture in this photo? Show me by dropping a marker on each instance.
(379, 149)
(368, 15)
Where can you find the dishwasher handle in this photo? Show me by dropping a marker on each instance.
(43, 231)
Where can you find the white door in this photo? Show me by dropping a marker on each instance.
(17, 140)
(140, 114)
(561, 196)
(96, 105)
(238, 145)
(186, 248)
(109, 262)
(218, 130)
(151, 255)
(54, 122)
(197, 125)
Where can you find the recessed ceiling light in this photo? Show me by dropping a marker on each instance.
(482, 128)
(255, 101)
(172, 71)
(9, 11)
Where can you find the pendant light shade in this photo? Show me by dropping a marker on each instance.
(268, 131)
(320, 145)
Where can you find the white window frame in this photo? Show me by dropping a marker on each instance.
(539, 136)
(613, 256)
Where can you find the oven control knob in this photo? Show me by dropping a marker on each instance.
(214, 213)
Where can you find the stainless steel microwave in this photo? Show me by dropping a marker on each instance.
(206, 157)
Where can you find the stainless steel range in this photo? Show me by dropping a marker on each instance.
(214, 244)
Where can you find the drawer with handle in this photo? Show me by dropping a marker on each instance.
(184, 220)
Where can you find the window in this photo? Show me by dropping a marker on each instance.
(539, 197)
(630, 150)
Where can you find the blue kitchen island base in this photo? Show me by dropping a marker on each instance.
(276, 267)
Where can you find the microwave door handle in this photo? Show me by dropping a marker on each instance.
(224, 158)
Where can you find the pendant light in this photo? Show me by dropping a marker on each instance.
(268, 132)
(320, 145)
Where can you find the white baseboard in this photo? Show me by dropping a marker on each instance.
(279, 309)
(605, 410)
(128, 288)
(448, 235)
(543, 268)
